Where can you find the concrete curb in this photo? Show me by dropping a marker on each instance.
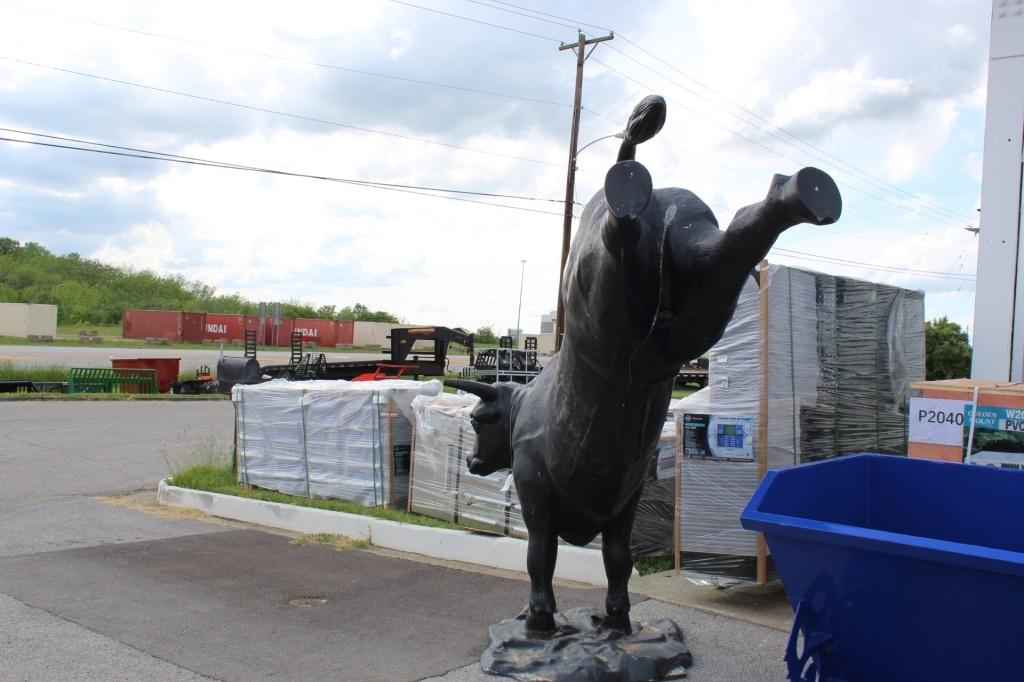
(574, 563)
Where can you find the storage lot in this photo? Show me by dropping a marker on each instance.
(90, 589)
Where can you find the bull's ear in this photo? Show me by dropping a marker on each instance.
(487, 393)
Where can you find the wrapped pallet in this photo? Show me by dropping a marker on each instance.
(329, 439)
(442, 487)
(811, 366)
(653, 526)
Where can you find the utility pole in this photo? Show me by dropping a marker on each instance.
(570, 182)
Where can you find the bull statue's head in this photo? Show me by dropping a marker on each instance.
(492, 420)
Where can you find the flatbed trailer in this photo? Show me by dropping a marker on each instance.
(695, 372)
(404, 361)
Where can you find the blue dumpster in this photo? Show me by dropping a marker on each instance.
(898, 569)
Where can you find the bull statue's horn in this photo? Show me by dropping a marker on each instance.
(487, 393)
(627, 191)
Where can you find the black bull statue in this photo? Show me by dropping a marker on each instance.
(651, 283)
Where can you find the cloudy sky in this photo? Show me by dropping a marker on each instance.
(474, 95)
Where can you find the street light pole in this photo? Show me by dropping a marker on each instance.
(522, 276)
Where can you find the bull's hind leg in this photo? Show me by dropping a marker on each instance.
(618, 566)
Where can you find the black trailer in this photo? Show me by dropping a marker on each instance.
(415, 351)
(505, 363)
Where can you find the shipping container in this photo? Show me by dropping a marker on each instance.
(28, 319)
(317, 332)
(192, 326)
(152, 324)
(346, 331)
(314, 332)
(229, 327)
(278, 335)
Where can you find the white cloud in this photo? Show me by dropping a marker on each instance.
(925, 135)
(838, 93)
(141, 247)
(960, 34)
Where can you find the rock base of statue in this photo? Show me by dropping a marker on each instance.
(580, 649)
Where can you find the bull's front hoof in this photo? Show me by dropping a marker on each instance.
(811, 196)
(618, 622)
(540, 622)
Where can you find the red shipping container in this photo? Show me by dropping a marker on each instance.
(346, 332)
(224, 326)
(152, 324)
(192, 326)
(318, 332)
(314, 332)
(280, 335)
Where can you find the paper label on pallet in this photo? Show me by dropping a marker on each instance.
(718, 436)
(938, 421)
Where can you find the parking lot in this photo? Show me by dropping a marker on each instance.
(97, 582)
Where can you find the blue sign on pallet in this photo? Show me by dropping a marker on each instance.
(996, 418)
(998, 429)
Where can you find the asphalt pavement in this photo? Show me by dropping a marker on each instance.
(98, 583)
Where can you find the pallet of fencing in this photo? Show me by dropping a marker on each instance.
(811, 366)
(341, 440)
(654, 523)
(441, 486)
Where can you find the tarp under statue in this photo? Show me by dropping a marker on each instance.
(651, 283)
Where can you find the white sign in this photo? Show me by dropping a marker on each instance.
(937, 420)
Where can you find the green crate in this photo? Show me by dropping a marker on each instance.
(108, 380)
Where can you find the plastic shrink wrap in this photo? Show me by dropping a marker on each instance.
(442, 486)
(656, 511)
(329, 439)
(836, 359)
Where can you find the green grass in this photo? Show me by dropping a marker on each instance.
(338, 542)
(646, 565)
(107, 331)
(683, 391)
(11, 372)
(218, 478)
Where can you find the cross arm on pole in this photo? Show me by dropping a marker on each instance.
(588, 41)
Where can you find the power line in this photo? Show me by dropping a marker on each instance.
(257, 168)
(776, 152)
(545, 14)
(574, 27)
(292, 60)
(275, 112)
(864, 175)
(853, 168)
(884, 241)
(872, 266)
(475, 21)
(170, 158)
(761, 180)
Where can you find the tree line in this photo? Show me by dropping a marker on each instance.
(87, 291)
